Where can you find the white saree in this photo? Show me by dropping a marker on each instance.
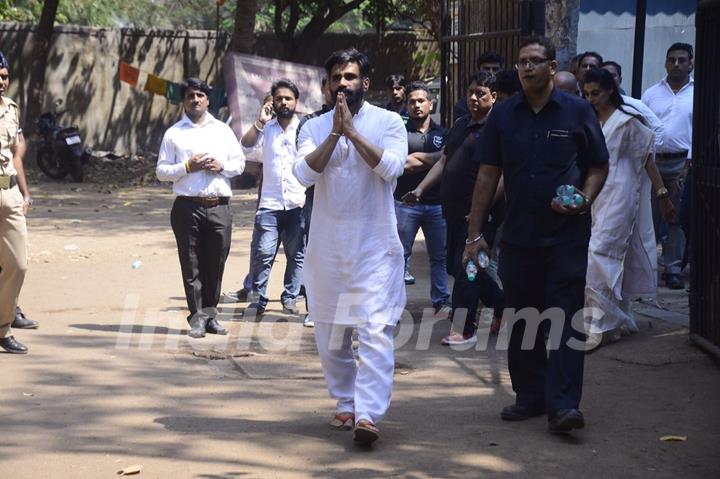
(622, 258)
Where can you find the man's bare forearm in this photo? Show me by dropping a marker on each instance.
(318, 159)
(428, 158)
(250, 137)
(18, 155)
(594, 182)
(485, 186)
(433, 176)
(369, 152)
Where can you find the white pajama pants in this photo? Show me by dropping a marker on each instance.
(364, 389)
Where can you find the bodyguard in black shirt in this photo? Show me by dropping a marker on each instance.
(425, 141)
(541, 139)
(458, 169)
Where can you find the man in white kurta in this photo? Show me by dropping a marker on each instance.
(354, 263)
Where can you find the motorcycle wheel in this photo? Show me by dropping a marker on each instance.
(50, 164)
(76, 169)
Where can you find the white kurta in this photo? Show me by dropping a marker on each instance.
(354, 264)
(622, 259)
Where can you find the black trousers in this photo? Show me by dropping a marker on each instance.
(543, 278)
(467, 295)
(202, 234)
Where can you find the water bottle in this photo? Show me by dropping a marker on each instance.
(471, 271)
(567, 196)
(483, 260)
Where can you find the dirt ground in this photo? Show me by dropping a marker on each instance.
(112, 380)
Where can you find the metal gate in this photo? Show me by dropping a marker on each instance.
(471, 27)
(705, 220)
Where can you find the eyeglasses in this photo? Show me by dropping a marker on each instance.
(530, 62)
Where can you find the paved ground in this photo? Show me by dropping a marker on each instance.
(112, 381)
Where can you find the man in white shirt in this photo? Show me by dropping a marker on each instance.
(353, 155)
(280, 215)
(671, 100)
(200, 154)
(653, 121)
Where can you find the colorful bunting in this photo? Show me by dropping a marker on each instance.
(156, 85)
(173, 92)
(170, 90)
(129, 74)
(217, 99)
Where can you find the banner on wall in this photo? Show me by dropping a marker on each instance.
(248, 79)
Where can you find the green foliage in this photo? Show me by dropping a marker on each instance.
(201, 14)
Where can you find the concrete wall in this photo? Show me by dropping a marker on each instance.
(115, 116)
(83, 71)
(608, 27)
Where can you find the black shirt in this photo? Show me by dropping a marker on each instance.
(429, 142)
(538, 152)
(458, 181)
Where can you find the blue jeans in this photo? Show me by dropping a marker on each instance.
(271, 227)
(430, 219)
(673, 242)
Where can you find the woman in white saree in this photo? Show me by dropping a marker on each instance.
(622, 257)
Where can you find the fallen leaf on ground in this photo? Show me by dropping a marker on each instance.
(673, 438)
(130, 470)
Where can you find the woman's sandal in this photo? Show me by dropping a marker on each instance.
(343, 421)
(366, 432)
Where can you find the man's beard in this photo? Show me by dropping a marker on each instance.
(285, 112)
(352, 97)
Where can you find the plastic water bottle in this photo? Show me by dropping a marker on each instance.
(136, 264)
(567, 196)
(483, 260)
(471, 271)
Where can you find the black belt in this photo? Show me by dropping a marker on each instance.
(12, 181)
(672, 156)
(208, 201)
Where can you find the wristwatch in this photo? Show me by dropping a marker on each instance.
(662, 193)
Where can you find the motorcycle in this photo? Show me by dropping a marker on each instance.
(60, 150)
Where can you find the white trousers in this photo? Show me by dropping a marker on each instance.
(364, 389)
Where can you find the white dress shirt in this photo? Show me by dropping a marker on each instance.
(653, 122)
(185, 139)
(354, 265)
(675, 110)
(280, 189)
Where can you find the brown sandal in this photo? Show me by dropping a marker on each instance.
(343, 421)
(366, 432)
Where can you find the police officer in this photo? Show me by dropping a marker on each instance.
(14, 205)
(541, 139)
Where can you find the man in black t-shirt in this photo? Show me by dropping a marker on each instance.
(425, 142)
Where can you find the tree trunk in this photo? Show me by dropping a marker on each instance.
(561, 20)
(41, 51)
(243, 38)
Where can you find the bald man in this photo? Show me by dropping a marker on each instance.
(567, 83)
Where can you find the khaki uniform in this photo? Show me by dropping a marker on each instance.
(13, 230)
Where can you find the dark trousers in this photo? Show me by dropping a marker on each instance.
(203, 240)
(543, 278)
(467, 295)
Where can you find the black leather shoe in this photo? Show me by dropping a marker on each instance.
(198, 326)
(214, 327)
(673, 281)
(23, 322)
(565, 420)
(521, 413)
(11, 345)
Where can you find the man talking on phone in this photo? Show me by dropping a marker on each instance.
(200, 154)
(279, 217)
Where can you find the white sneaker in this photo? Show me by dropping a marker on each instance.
(307, 322)
(456, 339)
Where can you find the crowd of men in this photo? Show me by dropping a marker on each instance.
(370, 178)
